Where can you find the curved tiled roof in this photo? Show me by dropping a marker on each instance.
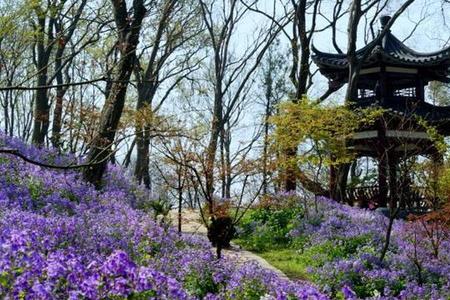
(390, 50)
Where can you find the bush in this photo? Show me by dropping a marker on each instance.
(263, 228)
(200, 284)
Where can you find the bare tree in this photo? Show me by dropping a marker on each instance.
(177, 176)
(177, 26)
(230, 75)
(128, 30)
(273, 84)
(14, 45)
(65, 29)
(230, 78)
(49, 33)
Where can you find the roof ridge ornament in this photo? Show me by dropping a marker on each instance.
(384, 20)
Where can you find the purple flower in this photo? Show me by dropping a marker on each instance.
(348, 292)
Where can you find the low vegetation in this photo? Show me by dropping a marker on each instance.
(338, 248)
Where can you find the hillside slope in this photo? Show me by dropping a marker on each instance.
(62, 239)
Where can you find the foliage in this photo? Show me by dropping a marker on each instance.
(322, 131)
(201, 284)
(434, 135)
(443, 183)
(440, 92)
(435, 177)
(159, 207)
(266, 227)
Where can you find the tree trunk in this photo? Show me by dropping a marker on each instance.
(145, 96)
(216, 128)
(64, 38)
(100, 147)
(338, 193)
(266, 149)
(300, 74)
(290, 183)
(57, 118)
(388, 235)
(146, 92)
(225, 161)
(41, 105)
(228, 178)
(210, 165)
(41, 110)
(382, 180)
(141, 171)
(393, 182)
(222, 162)
(180, 203)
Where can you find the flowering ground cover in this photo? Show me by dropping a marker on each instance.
(62, 239)
(337, 247)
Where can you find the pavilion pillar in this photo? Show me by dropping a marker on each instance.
(420, 89)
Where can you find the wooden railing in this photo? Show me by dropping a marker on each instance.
(413, 198)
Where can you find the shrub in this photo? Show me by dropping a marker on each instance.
(200, 284)
(264, 228)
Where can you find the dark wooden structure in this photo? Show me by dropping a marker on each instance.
(392, 77)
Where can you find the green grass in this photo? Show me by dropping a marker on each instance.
(289, 261)
(295, 263)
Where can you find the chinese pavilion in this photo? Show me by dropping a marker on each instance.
(392, 77)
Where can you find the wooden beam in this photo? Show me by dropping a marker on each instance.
(365, 134)
(407, 134)
(402, 70)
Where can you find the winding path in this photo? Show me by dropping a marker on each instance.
(191, 223)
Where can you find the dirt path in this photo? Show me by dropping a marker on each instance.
(191, 223)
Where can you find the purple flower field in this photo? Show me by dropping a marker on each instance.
(417, 265)
(61, 239)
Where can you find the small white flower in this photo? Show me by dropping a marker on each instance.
(267, 297)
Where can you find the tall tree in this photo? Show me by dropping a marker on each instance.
(45, 41)
(229, 77)
(176, 26)
(54, 27)
(230, 74)
(128, 26)
(14, 54)
(65, 28)
(274, 87)
(303, 16)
